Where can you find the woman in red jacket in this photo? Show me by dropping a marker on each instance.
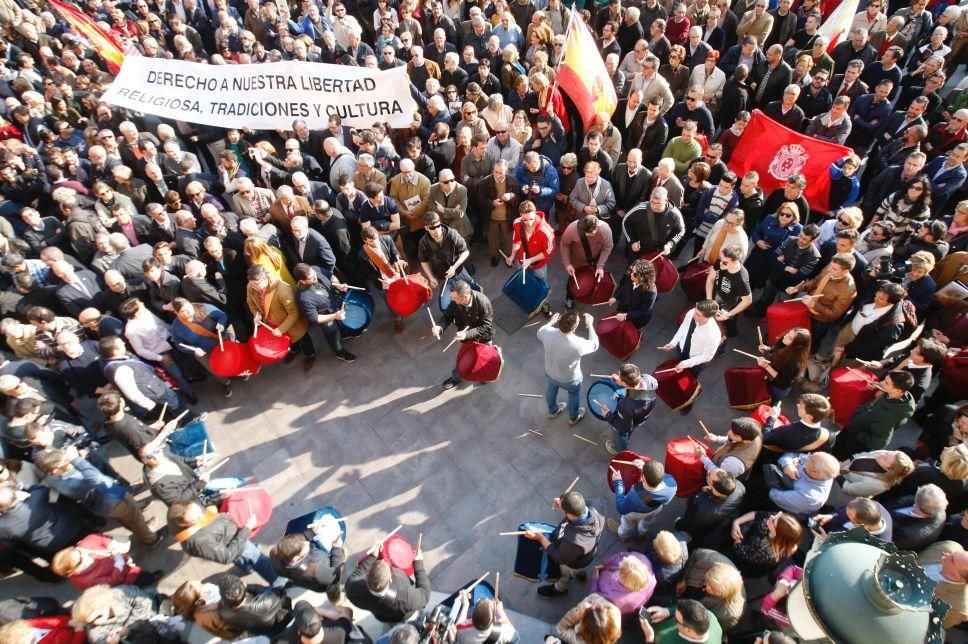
(100, 559)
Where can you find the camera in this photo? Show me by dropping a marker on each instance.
(434, 629)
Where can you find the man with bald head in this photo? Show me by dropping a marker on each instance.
(946, 563)
(411, 192)
(80, 289)
(769, 78)
(288, 205)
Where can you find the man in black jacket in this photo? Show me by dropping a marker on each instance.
(471, 312)
(918, 521)
(574, 542)
(387, 592)
(655, 226)
(210, 535)
(253, 609)
(630, 183)
(708, 511)
(309, 247)
(36, 523)
(442, 252)
(297, 559)
(319, 301)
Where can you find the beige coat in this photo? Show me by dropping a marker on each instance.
(955, 594)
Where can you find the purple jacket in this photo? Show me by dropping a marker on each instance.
(608, 585)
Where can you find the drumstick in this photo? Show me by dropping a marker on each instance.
(860, 374)
(533, 323)
(605, 303)
(506, 258)
(524, 271)
(520, 435)
(759, 333)
(585, 439)
(313, 526)
(600, 375)
(612, 470)
(403, 274)
(432, 323)
(266, 325)
(419, 541)
(655, 373)
(748, 355)
(601, 406)
(185, 346)
(479, 580)
(610, 317)
(204, 451)
(705, 431)
(164, 408)
(624, 462)
(497, 585)
(513, 533)
(575, 277)
(354, 288)
(449, 344)
(797, 299)
(220, 345)
(534, 432)
(217, 465)
(393, 532)
(248, 508)
(571, 486)
(531, 395)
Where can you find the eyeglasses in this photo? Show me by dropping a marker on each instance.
(435, 227)
(568, 167)
(447, 181)
(785, 214)
(732, 223)
(690, 99)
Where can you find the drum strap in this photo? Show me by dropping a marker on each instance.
(821, 440)
(199, 329)
(523, 234)
(210, 514)
(590, 259)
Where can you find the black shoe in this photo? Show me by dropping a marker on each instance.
(192, 399)
(227, 389)
(685, 410)
(289, 357)
(350, 335)
(450, 383)
(471, 269)
(569, 304)
(582, 575)
(196, 378)
(551, 591)
(494, 261)
(159, 539)
(346, 356)
(308, 363)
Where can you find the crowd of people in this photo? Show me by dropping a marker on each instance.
(131, 246)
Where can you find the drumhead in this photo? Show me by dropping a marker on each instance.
(605, 392)
(359, 311)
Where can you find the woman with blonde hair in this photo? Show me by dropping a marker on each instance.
(626, 580)
(594, 620)
(950, 474)
(872, 473)
(714, 580)
(541, 66)
(511, 69)
(103, 612)
(257, 251)
(549, 100)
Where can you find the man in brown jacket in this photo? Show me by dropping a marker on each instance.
(830, 294)
(946, 562)
(273, 303)
(288, 205)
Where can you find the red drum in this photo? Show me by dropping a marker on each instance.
(398, 552)
(676, 389)
(405, 296)
(630, 474)
(56, 630)
(479, 362)
(266, 347)
(954, 374)
(761, 413)
(666, 274)
(694, 281)
(783, 316)
(684, 466)
(232, 359)
(590, 290)
(747, 387)
(847, 391)
(620, 338)
(248, 501)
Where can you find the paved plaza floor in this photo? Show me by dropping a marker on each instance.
(384, 443)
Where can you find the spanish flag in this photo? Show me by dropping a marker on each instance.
(106, 45)
(583, 76)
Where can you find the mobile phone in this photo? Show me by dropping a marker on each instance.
(644, 614)
(812, 524)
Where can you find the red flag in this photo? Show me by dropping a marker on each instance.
(776, 152)
(582, 74)
(105, 44)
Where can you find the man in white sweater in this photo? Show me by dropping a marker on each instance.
(563, 352)
(696, 340)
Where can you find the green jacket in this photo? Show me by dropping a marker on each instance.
(667, 632)
(873, 424)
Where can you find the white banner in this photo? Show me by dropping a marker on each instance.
(266, 96)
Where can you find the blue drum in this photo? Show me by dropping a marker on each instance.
(481, 591)
(191, 441)
(444, 299)
(532, 561)
(605, 392)
(526, 290)
(359, 311)
(326, 527)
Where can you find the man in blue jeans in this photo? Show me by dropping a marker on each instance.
(563, 352)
